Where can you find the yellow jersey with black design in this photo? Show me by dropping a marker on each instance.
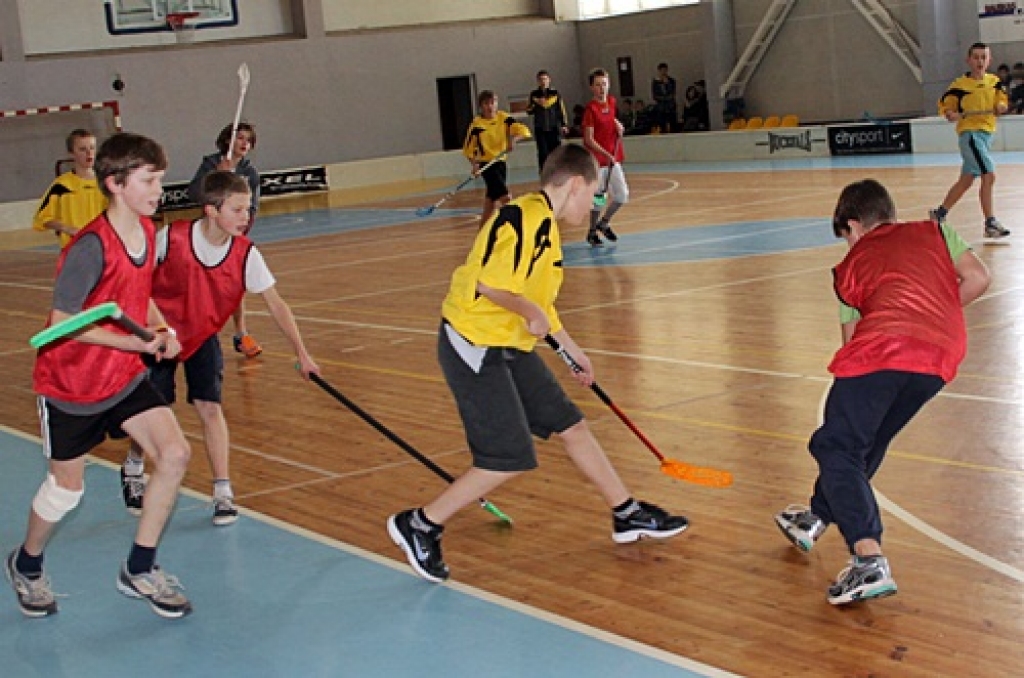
(71, 200)
(975, 100)
(487, 138)
(519, 250)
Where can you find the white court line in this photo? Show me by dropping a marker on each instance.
(932, 533)
(507, 603)
(27, 286)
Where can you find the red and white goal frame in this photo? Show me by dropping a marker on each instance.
(112, 108)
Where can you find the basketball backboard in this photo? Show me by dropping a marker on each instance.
(150, 16)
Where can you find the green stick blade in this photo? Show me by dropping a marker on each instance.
(496, 511)
(74, 323)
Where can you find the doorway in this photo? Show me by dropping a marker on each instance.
(455, 101)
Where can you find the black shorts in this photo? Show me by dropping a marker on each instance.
(204, 374)
(513, 396)
(495, 177)
(69, 436)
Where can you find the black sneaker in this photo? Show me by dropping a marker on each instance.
(994, 229)
(161, 591)
(422, 549)
(593, 239)
(132, 489)
(606, 230)
(647, 521)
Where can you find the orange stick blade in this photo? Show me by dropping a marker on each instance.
(698, 475)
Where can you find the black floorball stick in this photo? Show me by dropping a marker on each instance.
(406, 447)
(426, 211)
(708, 477)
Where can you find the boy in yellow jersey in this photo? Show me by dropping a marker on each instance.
(973, 101)
(492, 134)
(74, 198)
(501, 301)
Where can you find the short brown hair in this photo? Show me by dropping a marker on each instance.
(486, 95)
(568, 161)
(596, 73)
(75, 135)
(122, 154)
(868, 202)
(224, 138)
(220, 185)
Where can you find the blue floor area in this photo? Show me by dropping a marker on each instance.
(343, 613)
(698, 243)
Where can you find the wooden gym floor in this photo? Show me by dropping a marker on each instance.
(710, 323)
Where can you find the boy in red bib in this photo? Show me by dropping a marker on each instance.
(204, 269)
(94, 384)
(901, 289)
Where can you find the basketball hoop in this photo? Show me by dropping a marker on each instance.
(183, 25)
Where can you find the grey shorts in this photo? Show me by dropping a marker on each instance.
(513, 396)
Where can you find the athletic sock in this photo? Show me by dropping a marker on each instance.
(222, 489)
(31, 567)
(133, 466)
(991, 221)
(595, 216)
(141, 559)
(421, 522)
(626, 508)
(941, 212)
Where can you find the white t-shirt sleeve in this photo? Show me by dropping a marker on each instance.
(258, 278)
(161, 244)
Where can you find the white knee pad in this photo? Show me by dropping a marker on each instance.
(53, 502)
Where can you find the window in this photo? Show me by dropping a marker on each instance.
(596, 9)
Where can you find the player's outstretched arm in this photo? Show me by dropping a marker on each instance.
(282, 315)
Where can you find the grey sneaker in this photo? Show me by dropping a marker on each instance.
(422, 549)
(133, 488)
(34, 595)
(934, 216)
(800, 526)
(994, 229)
(866, 577)
(224, 511)
(161, 591)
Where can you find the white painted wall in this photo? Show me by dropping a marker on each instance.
(344, 15)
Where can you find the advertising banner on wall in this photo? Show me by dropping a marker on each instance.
(1000, 21)
(278, 182)
(866, 139)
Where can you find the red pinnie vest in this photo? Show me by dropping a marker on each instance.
(77, 372)
(902, 280)
(196, 299)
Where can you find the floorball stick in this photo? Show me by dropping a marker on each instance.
(85, 318)
(243, 87)
(427, 211)
(406, 447)
(708, 477)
